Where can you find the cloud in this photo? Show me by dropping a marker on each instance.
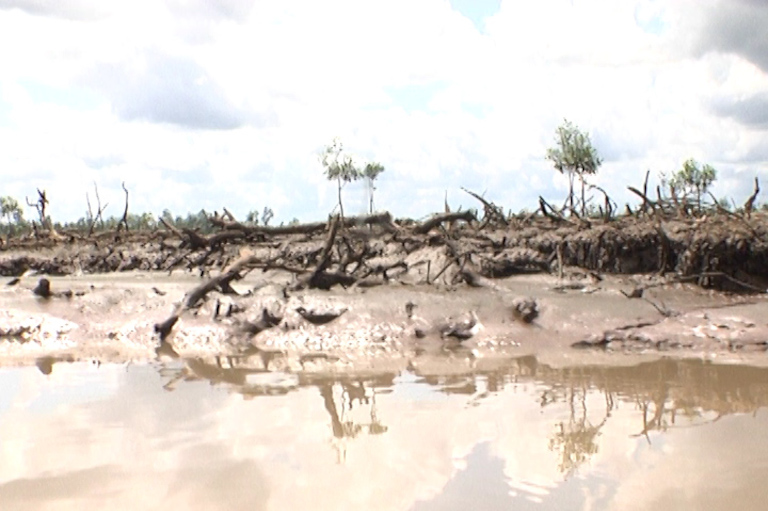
(77, 10)
(738, 27)
(443, 94)
(751, 111)
(175, 90)
(236, 10)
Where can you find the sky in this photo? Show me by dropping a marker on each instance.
(200, 104)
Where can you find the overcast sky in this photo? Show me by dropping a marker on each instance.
(203, 104)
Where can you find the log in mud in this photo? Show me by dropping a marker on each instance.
(721, 251)
(453, 265)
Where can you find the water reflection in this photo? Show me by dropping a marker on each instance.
(440, 432)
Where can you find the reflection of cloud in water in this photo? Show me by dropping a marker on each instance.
(347, 441)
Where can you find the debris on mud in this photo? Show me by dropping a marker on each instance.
(448, 251)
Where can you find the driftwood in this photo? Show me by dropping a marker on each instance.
(423, 228)
(733, 215)
(492, 211)
(610, 206)
(346, 252)
(646, 201)
(198, 293)
(382, 219)
(325, 255)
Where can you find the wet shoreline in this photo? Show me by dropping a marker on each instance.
(112, 318)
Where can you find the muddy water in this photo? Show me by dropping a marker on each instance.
(446, 433)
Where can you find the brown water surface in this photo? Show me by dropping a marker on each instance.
(449, 434)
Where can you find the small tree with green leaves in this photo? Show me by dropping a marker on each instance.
(693, 180)
(340, 167)
(370, 173)
(11, 211)
(574, 155)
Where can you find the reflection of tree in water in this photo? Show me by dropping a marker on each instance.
(663, 392)
(342, 425)
(576, 441)
(656, 415)
(354, 392)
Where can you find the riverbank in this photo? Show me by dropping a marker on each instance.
(368, 289)
(112, 318)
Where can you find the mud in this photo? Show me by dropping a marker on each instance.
(720, 251)
(553, 288)
(112, 318)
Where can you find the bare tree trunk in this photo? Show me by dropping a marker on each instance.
(124, 221)
(370, 196)
(341, 207)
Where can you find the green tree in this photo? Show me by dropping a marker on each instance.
(693, 180)
(340, 167)
(370, 173)
(11, 211)
(575, 155)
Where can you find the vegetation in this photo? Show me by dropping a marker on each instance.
(13, 215)
(680, 192)
(690, 182)
(574, 155)
(266, 215)
(370, 173)
(339, 167)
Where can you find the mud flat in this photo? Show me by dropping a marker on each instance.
(112, 318)
(370, 292)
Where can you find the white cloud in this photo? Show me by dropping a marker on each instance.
(251, 91)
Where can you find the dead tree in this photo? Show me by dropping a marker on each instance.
(198, 293)
(428, 225)
(40, 205)
(750, 204)
(493, 213)
(99, 210)
(124, 221)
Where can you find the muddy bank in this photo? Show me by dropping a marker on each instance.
(355, 290)
(113, 318)
(720, 251)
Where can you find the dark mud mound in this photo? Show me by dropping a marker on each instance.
(720, 251)
(709, 250)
